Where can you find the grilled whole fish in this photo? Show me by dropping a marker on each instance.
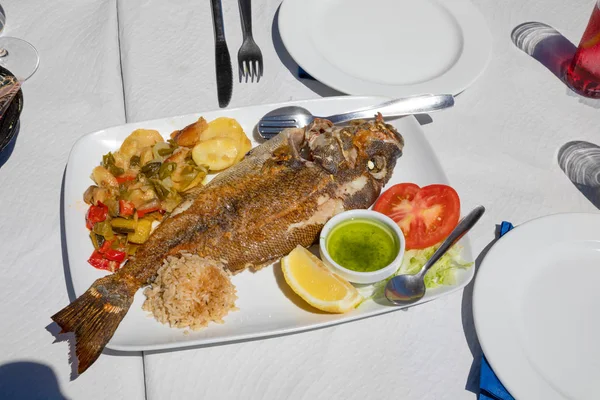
(250, 215)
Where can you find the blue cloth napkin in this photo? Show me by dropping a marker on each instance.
(490, 387)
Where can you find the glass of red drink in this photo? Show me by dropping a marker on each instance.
(583, 75)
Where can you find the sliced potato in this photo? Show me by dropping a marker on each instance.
(222, 127)
(104, 178)
(190, 135)
(227, 127)
(217, 153)
(138, 140)
(230, 128)
(244, 146)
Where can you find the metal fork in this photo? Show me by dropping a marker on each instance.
(249, 54)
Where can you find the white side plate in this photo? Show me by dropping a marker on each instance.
(535, 306)
(266, 305)
(392, 48)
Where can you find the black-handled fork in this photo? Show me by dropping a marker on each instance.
(249, 56)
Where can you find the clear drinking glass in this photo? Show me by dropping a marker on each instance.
(583, 75)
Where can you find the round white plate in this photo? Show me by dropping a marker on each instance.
(536, 305)
(390, 48)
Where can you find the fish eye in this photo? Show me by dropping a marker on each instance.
(377, 166)
(376, 163)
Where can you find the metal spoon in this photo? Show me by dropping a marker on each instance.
(297, 117)
(403, 290)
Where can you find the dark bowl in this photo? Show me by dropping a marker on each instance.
(9, 123)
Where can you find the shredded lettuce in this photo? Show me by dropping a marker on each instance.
(442, 272)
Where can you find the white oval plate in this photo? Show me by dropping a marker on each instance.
(392, 48)
(536, 306)
(266, 304)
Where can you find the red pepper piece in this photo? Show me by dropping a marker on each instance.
(115, 255)
(107, 258)
(95, 214)
(98, 261)
(125, 178)
(107, 245)
(111, 254)
(126, 208)
(141, 213)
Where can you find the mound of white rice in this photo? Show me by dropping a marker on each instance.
(190, 291)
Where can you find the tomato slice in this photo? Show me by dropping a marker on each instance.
(426, 215)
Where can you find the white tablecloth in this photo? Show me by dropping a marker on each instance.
(76, 90)
(498, 146)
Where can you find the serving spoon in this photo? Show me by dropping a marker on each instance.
(403, 290)
(297, 117)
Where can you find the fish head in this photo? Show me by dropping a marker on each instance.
(362, 146)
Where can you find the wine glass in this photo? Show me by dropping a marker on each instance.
(19, 57)
(22, 60)
(18, 62)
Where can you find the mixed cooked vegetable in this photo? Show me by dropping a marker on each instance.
(144, 180)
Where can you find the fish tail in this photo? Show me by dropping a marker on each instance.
(95, 315)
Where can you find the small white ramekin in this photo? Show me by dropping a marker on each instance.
(356, 276)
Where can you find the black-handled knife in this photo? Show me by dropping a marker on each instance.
(222, 59)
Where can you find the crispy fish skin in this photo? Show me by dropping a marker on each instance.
(250, 215)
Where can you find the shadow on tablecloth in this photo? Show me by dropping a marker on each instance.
(293, 67)
(472, 383)
(551, 49)
(25, 380)
(580, 161)
(53, 327)
(63, 242)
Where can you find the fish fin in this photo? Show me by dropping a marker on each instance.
(94, 317)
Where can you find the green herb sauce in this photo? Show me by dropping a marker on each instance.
(362, 245)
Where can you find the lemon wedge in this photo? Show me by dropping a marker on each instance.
(316, 284)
